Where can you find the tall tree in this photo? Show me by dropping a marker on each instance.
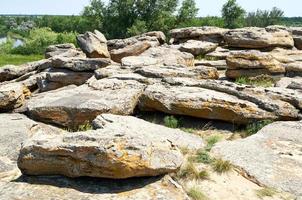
(187, 13)
(263, 18)
(94, 13)
(233, 14)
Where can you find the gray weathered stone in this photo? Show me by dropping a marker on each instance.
(197, 48)
(218, 64)
(80, 64)
(63, 50)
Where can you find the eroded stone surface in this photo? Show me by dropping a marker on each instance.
(197, 48)
(63, 50)
(277, 164)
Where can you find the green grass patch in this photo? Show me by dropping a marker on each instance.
(254, 127)
(211, 141)
(221, 166)
(203, 156)
(265, 192)
(260, 81)
(171, 122)
(196, 194)
(11, 59)
(81, 128)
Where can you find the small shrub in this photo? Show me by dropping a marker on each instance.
(203, 175)
(211, 141)
(81, 128)
(265, 192)
(221, 166)
(253, 128)
(260, 81)
(196, 194)
(203, 157)
(188, 130)
(171, 122)
(189, 171)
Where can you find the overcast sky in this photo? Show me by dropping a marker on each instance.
(206, 7)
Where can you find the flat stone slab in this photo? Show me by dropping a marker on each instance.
(272, 157)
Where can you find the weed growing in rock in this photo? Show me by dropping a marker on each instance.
(254, 127)
(211, 141)
(260, 81)
(220, 166)
(196, 194)
(84, 127)
(171, 122)
(189, 171)
(265, 192)
(203, 156)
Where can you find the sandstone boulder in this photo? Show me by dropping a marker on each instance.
(73, 106)
(252, 63)
(63, 50)
(160, 71)
(293, 69)
(93, 44)
(218, 64)
(198, 48)
(259, 38)
(297, 35)
(106, 153)
(111, 70)
(291, 83)
(277, 163)
(12, 96)
(154, 38)
(130, 50)
(138, 61)
(205, 33)
(79, 64)
(200, 102)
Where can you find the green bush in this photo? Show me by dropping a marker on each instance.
(40, 38)
(171, 122)
(254, 127)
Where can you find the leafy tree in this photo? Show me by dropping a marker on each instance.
(187, 13)
(233, 14)
(263, 18)
(94, 13)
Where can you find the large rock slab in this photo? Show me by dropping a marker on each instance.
(79, 64)
(272, 157)
(57, 78)
(60, 188)
(109, 152)
(159, 71)
(205, 33)
(154, 38)
(259, 38)
(218, 64)
(253, 63)
(131, 50)
(73, 106)
(202, 103)
(118, 123)
(198, 48)
(12, 96)
(63, 50)
(93, 44)
(10, 72)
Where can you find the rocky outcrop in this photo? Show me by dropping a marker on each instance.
(58, 78)
(10, 72)
(73, 106)
(252, 63)
(205, 33)
(80, 64)
(12, 96)
(108, 153)
(130, 50)
(276, 164)
(218, 64)
(297, 35)
(93, 44)
(259, 38)
(154, 38)
(200, 102)
(63, 50)
(198, 48)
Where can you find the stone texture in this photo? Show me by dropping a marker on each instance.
(93, 44)
(293, 69)
(80, 64)
(252, 63)
(60, 188)
(10, 72)
(118, 123)
(57, 78)
(291, 83)
(200, 102)
(297, 35)
(111, 70)
(138, 61)
(160, 71)
(277, 164)
(218, 64)
(205, 33)
(63, 50)
(12, 95)
(130, 50)
(169, 56)
(259, 38)
(73, 106)
(197, 48)
(105, 153)
(154, 38)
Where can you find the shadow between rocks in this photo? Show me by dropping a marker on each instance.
(90, 185)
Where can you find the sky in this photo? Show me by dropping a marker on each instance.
(291, 8)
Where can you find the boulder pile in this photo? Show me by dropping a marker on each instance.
(103, 85)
